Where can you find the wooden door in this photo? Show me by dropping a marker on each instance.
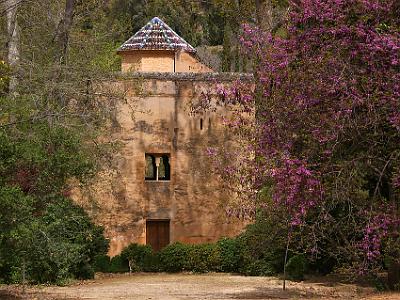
(157, 234)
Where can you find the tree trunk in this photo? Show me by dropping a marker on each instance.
(11, 7)
(63, 30)
(264, 14)
(270, 16)
(286, 258)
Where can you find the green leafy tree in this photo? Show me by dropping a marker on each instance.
(44, 237)
(48, 130)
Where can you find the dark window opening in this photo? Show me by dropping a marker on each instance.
(164, 170)
(201, 124)
(157, 167)
(151, 168)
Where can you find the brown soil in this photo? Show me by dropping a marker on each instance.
(187, 286)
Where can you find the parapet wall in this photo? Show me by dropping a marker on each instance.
(208, 77)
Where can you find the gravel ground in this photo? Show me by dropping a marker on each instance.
(195, 287)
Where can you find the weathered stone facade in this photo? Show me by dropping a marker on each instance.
(155, 119)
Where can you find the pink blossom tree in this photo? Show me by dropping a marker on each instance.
(324, 138)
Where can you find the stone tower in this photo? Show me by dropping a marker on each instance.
(162, 188)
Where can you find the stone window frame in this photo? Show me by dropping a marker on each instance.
(157, 159)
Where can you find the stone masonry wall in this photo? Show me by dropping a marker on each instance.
(148, 61)
(158, 121)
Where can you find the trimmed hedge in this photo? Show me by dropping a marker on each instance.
(258, 268)
(229, 255)
(175, 258)
(204, 258)
(118, 264)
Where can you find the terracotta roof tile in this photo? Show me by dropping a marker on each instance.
(156, 35)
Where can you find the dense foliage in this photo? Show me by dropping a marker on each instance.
(46, 144)
(44, 237)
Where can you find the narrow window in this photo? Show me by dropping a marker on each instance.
(151, 168)
(201, 124)
(164, 168)
(158, 167)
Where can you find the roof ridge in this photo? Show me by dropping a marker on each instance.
(156, 35)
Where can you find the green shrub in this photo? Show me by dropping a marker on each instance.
(323, 265)
(118, 264)
(264, 240)
(204, 258)
(258, 268)
(231, 254)
(296, 267)
(152, 263)
(137, 256)
(175, 258)
(275, 258)
(59, 245)
(392, 262)
(379, 283)
(84, 271)
(102, 263)
(44, 236)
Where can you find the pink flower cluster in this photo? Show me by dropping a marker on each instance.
(379, 226)
(296, 188)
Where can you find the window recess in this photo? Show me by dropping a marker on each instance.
(158, 167)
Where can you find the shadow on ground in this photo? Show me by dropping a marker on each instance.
(275, 293)
(19, 295)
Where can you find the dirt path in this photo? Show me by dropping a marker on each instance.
(204, 287)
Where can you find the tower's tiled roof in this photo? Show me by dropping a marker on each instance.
(156, 35)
